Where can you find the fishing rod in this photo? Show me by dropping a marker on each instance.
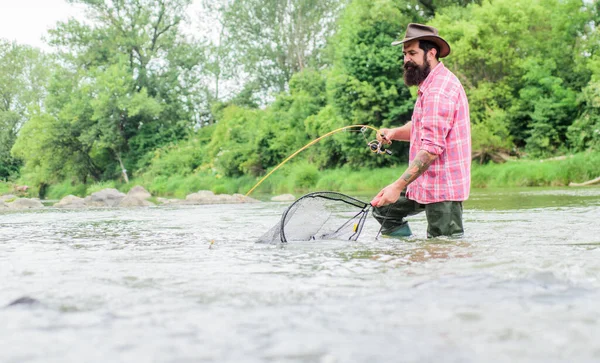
(374, 145)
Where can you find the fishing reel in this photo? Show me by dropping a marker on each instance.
(377, 147)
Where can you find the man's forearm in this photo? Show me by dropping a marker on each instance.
(416, 168)
(402, 133)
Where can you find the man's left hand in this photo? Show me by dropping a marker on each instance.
(387, 195)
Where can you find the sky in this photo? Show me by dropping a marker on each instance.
(27, 21)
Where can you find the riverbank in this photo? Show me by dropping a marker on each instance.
(302, 177)
(560, 171)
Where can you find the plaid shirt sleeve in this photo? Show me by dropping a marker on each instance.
(436, 123)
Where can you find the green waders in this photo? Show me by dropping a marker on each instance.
(443, 218)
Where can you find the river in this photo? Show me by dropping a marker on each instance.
(189, 284)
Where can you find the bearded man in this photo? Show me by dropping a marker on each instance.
(438, 177)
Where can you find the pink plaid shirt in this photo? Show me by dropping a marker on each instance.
(441, 126)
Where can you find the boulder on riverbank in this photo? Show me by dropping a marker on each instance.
(208, 197)
(136, 197)
(139, 192)
(109, 197)
(240, 198)
(24, 203)
(283, 198)
(134, 201)
(71, 201)
(165, 201)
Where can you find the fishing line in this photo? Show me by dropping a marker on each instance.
(381, 226)
(374, 146)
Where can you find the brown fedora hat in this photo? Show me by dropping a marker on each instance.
(419, 31)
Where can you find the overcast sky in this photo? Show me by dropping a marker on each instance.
(27, 21)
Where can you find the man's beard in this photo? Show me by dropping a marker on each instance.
(414, 74)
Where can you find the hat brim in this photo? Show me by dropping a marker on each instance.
(444, 46)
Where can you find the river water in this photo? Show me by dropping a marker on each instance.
(148, 285)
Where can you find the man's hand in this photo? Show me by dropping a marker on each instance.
(388, 195)
(384, 136)
(416, 168)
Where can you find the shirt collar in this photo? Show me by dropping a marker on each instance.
(427, 82)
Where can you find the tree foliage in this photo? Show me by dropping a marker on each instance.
(274, 39)
(129, 90)
(23, 75)
(522, 64)
(128, 85)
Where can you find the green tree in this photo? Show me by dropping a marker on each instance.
(24, 72)
(522, 64)
(584, 133)
(274, 39)
(365, 85)
(144, 35)
(118, 112)
(130, 83)
(8, 134)
(231, 149)
(219, 71)
(52, 151)
(431, 7)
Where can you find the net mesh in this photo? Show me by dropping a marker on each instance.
(318, 216)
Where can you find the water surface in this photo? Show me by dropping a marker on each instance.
(188, 284)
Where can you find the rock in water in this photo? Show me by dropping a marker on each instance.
(24, 300)
(24, 203)
(284, 198)
(71, 201)
(109, 197)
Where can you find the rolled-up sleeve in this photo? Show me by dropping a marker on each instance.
(437, 121)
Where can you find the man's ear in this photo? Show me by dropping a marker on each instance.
(432, 52)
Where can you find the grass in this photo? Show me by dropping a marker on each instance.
(5, 187)
(302, 177)
(58, 191)
(533, 173)
(179, 186)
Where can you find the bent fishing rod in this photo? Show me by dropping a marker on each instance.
(374, 145)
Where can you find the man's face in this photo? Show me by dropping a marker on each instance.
(416, 66)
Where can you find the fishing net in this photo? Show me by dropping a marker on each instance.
(318, 216)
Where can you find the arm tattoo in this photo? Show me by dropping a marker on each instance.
(418, 166)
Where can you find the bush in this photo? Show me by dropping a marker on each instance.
(66, 187)
(526, 173)
(181, 158)
(5, 187)
(306, 176)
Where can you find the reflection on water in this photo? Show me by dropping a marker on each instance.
(420, 251)
(189, 284)
(526, 198)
